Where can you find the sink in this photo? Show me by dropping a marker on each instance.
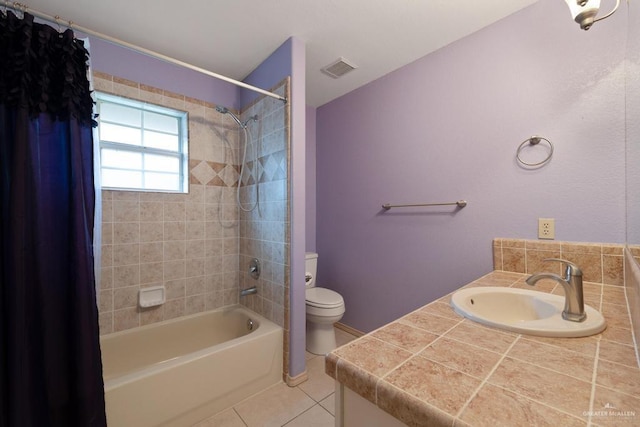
(524, 311)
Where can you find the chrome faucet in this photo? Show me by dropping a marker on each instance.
(572, 284)
(248, 291)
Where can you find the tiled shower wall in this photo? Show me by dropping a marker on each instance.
(187, 242)
(264, 229)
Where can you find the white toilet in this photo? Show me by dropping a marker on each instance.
(324, 307)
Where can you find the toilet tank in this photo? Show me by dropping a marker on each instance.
(310, 268)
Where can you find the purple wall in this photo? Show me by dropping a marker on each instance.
(310, 222)
(447, 127)
(289, 60)
(270, 72)
(297, 363)
(126, 63)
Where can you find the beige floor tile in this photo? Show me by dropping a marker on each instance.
(314, 417)
(319, 385)
(274, 407)
(227, 418)
(329, 403)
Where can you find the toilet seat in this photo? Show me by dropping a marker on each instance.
(323, 298)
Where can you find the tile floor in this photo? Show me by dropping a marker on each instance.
(310, 404)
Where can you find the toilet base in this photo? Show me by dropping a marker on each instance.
(321, 338)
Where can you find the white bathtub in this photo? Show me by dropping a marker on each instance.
(178, 372)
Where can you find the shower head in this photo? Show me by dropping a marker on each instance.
(225, 110)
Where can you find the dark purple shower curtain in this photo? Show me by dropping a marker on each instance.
(50, 363)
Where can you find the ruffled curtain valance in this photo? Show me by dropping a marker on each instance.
(43, 70)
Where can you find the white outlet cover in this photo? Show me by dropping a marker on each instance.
(546, 228)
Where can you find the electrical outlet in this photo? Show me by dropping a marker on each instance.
(546, 228)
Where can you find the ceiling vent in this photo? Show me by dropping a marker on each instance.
(339, 68)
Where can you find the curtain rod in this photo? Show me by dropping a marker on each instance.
(72, 25)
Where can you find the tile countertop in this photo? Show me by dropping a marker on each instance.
(434, 367)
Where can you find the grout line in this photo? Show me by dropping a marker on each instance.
(304, 412)
(593, 383)
(468, 343)
(539, 402)
(626, 297)
(529, 362)
(319, 404)
(484, 381)
(239, 416)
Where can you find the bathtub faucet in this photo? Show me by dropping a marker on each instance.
(248, 291)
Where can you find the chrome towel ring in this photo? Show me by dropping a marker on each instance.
(534, 140)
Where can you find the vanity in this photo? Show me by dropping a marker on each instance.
(433, 367)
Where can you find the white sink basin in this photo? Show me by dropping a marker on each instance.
(524, 312)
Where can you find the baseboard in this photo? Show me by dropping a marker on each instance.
(348, 329)
(297, 380)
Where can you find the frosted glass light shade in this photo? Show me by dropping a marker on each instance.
(576, 8)
(584, 15)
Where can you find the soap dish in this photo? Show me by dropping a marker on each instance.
(151, 296)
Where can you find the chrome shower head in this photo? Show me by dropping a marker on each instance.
(225, 110)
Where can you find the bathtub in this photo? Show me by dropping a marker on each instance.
(178, 372)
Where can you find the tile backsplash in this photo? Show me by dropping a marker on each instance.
(600, 262)
(632, 285)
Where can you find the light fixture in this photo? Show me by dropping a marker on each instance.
(584, 11)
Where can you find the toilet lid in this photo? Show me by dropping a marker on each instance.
(322, 297)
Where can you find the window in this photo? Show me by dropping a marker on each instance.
(142, 146)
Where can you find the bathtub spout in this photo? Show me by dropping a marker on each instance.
(248, 291)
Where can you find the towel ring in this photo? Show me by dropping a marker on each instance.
(534, 140)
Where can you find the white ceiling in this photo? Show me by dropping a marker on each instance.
(232, 37)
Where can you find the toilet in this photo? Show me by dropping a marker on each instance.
(324, 307)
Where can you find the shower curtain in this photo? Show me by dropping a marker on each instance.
(50, 363)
